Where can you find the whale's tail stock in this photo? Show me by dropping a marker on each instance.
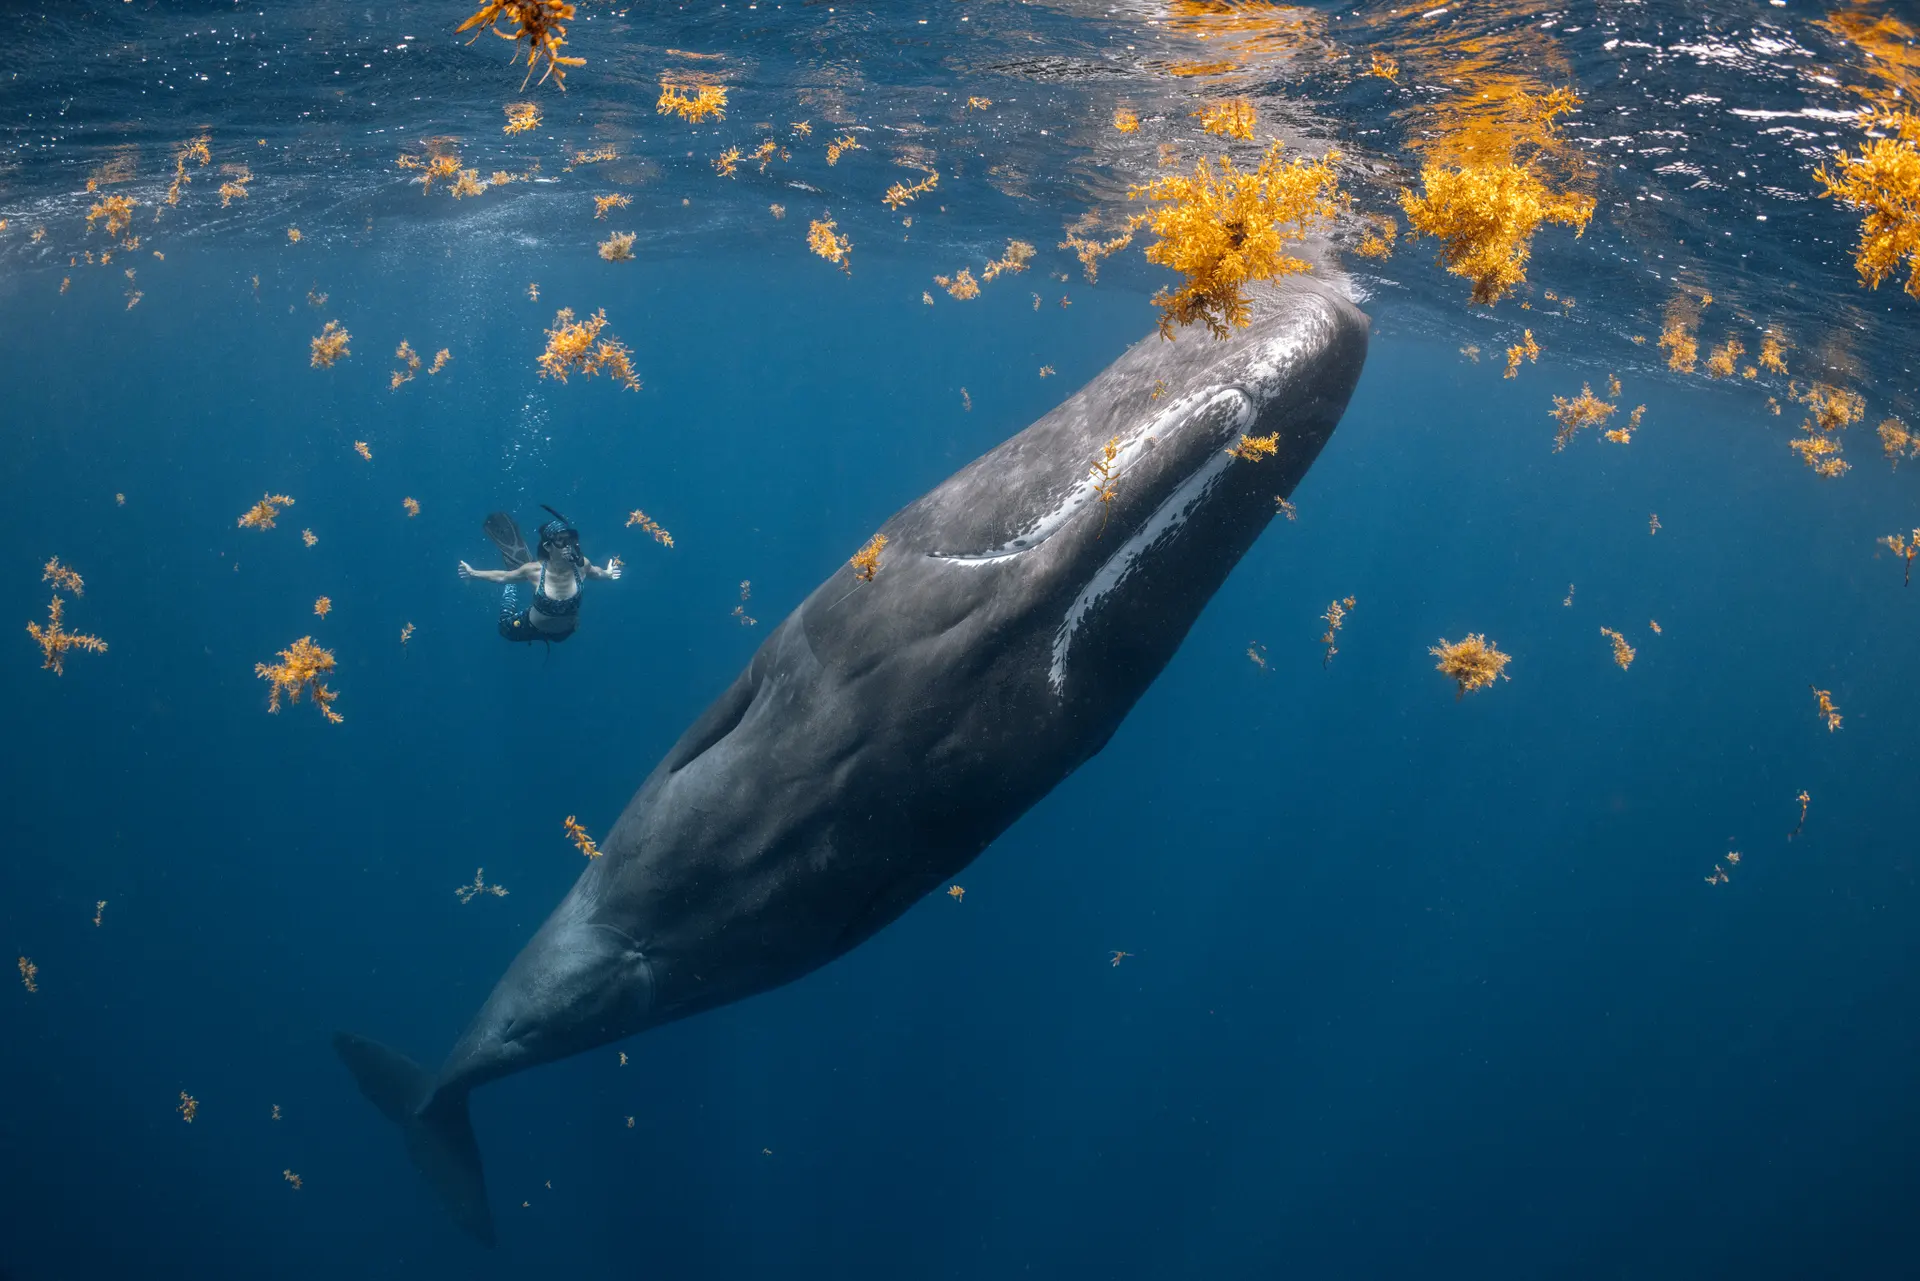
(435, 1124)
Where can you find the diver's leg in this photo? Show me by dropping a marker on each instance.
(518, 627)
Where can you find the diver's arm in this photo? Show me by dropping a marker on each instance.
(611, 571)
(498, 575)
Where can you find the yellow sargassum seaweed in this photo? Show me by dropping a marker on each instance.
(1485, 211)
(541, 23)
(299, 670)
(1223, 228)
(1883, 182)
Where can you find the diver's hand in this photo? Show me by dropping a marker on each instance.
(466, 570)
(614, 567)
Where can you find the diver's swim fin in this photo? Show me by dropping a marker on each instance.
(507, 537)
(437, 1128)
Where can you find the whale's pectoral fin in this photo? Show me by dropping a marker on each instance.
(436, 1126)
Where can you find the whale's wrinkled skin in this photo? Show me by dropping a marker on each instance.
(889, 730)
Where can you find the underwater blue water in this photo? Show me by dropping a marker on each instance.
(1416, 985)
(1412, 986)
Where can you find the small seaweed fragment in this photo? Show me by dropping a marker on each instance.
(301, 666)
(824, 240)
(1473, 663)
(533, 291)
(468, 893)
(1895, 439)
(521, 117)
(541, 23)
(261, 515)
(619, 246)
(1882, 182)
(440, 360)
(1622, 652)
(117, 211)
(412, 505)
(1106, 479)
(956, 893)
(1655, 625)
(1677, 340)
(1623, 435)
(576, 347)
(1257, 654)
(1286, 508)
(1222, 228)
(1334, 618)
(1906, 549)
(966, 401)
(360, 448)
(900, 193)
(1014, 261)
(466, 183)
(1383, 66)
(292, 1178)
(740, 611)
(1251, 449)
(1653, 523)
(1116, 958)
(778, 211)
(1827, 711)
(63, 577)
(1047, 371)
(1773, 348)
(330, 345)
(581, 841)
(323, 606)
(727, 162)
(235, 187)
(1585, 410)
(960, 285)
(1381, 235)
(1525, 349)
(192, 149)
(188, 1107)
(841, 146)
(1233, 118)
(601, 204)
(29, 974)
(866, 561)
(693, 103)
(1804, 800)
(99, 910)
(649, 526)
(1125, 119)
(1720, 360)
(1090, 251)
(977, 104)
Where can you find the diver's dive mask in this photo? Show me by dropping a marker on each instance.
(560, 534)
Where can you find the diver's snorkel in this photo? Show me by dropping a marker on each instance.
(560, 532)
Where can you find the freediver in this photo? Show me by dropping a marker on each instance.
(556, 571)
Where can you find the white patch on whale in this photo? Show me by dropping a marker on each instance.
(1166, 519)
(1187, 409)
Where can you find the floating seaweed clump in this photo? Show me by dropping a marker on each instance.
(1584, 410)
(521, 117)
(581, 841)
(576, 347)
(1379, 242)
(1720, 362)
(650, 526)
(116, 210)
(1883, 183)
(1895, 440)
(65, 578)
(1125, 120)
(1233, 118)
(601, 204)
(541, 23)
(1014, 261)
(330, 345)
(261, 515)
(841, 146)
(1485, 214)
(866, 561)
(299, 670)
(1223, 228)
(1473, 663)
(619, 246)
(900, 193)
(1335, 618)
(1091, 251)
(692, 103)
(1525, 349)
(55, 640)
(1622, 652)
(1251, 449)
(823, 239)
(1827, 711)
(961, 284)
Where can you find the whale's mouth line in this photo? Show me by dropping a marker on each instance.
(1166, 425)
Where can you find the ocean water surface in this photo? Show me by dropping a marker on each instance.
(1321, 968)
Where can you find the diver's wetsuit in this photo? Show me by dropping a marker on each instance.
(546, 619)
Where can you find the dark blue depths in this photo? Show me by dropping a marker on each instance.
(1416, 986)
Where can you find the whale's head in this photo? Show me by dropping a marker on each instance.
(1118, 514)
(577, 984)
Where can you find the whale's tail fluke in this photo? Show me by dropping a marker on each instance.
(436, 1126)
